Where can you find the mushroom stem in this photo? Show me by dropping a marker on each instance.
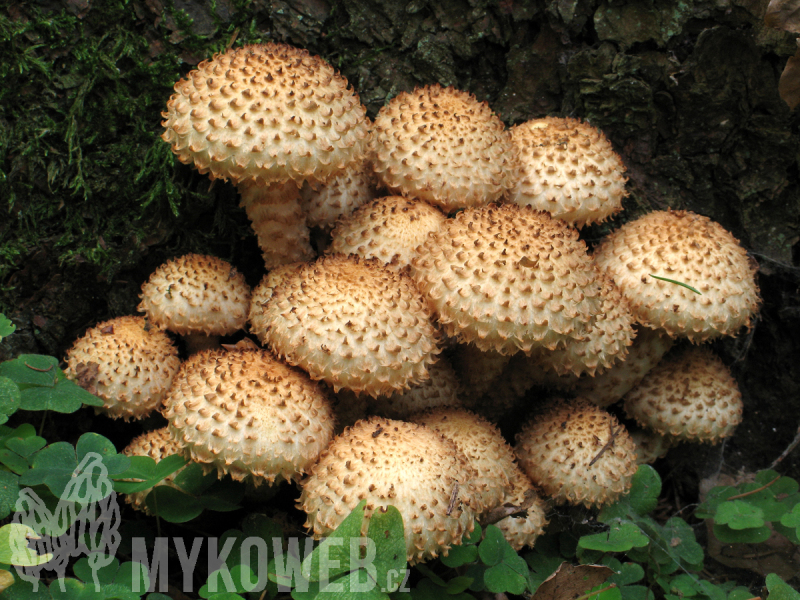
(196, 342)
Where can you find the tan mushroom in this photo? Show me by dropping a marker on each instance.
(405, 465)
(389, 229)
(569, 169)
(577, 453)
(197, 296)
(126, 363)
(247, 414)
(157, 444)
(690, 395)
(443, 146)
(508, 278)
(689, 249)
(352, 323)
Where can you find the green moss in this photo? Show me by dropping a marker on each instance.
(82, 169)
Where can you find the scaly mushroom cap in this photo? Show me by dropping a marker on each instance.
(650, 446)
(156, 444)
(266, 113)
(127, 364)
(352, 323)
(569, 169)
(605, 340)
(389, 229)
(405, 465)
(339, 196)
(649, 346)
(196, 294)
(690, 395)
(443, 146)
(691, 249)
(247, 414)
(507, 278)
(523, 531)
(438, 391)
(577, 453)
(263, 292)
(483, 445)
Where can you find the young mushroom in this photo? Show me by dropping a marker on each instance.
(569, 169)
(126, 363)
(352, 323)
(688, 250)
(245, 413)
(577, 453)
(405, 465)
(199, 297)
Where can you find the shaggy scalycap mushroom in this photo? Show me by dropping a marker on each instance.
(577, 453)
(691, 249)
(196, 294)
(389, 229)
(245, 413)
(443, 146)
(405, 465)
(438, 391)
(507, 278)
(521, 531)
(569, 169)
(126, 363)
(266, 113)
(156, 444)
(690, 395)
(339, 196)
(483, 445)
(352, 323)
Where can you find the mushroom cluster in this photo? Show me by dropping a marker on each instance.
(420, 330)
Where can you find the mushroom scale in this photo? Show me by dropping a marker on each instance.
(569, 169)
(352, 323)
(389, 228)
(690, 395)
(266, 113)
(127, 364)
(405, 465)
(508, 278)
(246, 413)
(443, 146)
(577, 453)
(194, 294)
(693, 250)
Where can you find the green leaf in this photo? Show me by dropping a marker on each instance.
(474, 537)
(726, 535)
(503, 578)
(492, 548)
(14, 548)
(680, 283)
(621, 537)
(738, 514)
(44, 386)
(6, 327)
(792, 519)
(81, 471)
(387, 535)
(457, 585)
(172, 505)
(460, 555)
(355, 584)
(641, 500)
(332, 557)
(10, 398)
(150, 472)
(624, 573)
(780, 590)
(714, 498)
(9, 492)
(25, 447)
(681, 540)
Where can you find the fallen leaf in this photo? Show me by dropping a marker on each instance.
(783, 14)
(570, 581)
